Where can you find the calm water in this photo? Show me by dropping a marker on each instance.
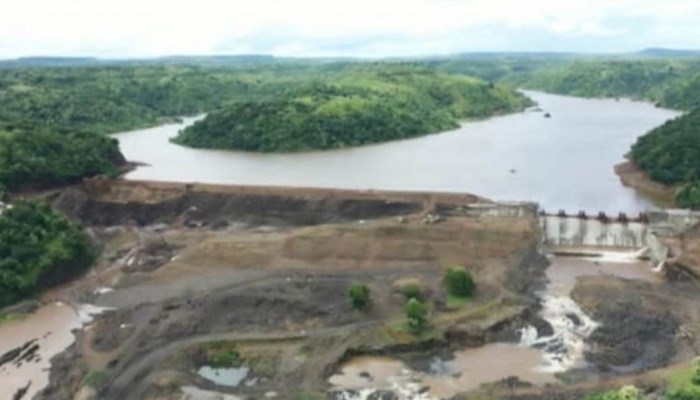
(561, 162)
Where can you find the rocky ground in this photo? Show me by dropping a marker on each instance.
(268, 275)
(200, 273)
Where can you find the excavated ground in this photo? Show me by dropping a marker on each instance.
(267, 270)
(200, 270)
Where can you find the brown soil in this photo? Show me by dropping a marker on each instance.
(270, 267)
(685, 251)
(635, 178)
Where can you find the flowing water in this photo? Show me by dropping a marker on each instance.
(561, 162)
(535, 359)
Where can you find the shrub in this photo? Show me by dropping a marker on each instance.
(417, 315)
(411, 291)
(695, 378)
(626, 393)
(359, 295)
(224, 359)
(688, 196)
(684, 393)
(459, 282)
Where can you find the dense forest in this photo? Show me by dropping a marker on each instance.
(669, 83)
(41, 158)
(355, 106)
(38, 249)
(118, 98)
(670, 154)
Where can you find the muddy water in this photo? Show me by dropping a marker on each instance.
(51, 326)
(224, 376)
(561, 162)
(536, 359)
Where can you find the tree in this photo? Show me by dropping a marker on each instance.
(459, 282)
(359, 295)
(695, 378)
(416, 315)
(688, 196)
(38, 249)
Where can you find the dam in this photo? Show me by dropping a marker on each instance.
(582, 231)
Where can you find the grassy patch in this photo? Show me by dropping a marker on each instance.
(95, 379)
(222, 354)
(456, 302)
(679, 377)
(470, 311)
(10, 316)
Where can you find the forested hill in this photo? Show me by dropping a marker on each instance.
(669, 83)
(670, 154)
(38, 249)
(354, 107)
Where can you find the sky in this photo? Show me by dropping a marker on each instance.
(330, 28)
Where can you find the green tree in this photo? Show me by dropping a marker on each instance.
(359, 295)
(688, 196)
(416, 315)
(459, 282)
(38, 249)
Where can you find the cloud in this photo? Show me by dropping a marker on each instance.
(132, 28)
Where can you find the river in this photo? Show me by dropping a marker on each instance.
(565, 161)
(536, 359)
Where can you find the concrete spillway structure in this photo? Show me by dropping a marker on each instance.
(579, 232)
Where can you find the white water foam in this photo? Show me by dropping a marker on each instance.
(571, 326)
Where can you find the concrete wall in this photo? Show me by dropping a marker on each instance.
(573, 231)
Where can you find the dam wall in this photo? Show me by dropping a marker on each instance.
(571, 231)
(103, 202)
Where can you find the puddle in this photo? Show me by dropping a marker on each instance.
(51, 326)
(224, 376)
(535, 359)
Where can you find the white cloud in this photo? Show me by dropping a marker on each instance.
(126, 28)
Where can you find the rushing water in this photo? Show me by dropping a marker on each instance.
(536, 359)
(561, 162)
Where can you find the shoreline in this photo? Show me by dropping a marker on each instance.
(633, 177)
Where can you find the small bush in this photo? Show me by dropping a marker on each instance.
(685, 393)
(224, 359)
(359, 295)
(411, 291)
(417, 315)
(695, 377)
(459, 282)
(626, 393)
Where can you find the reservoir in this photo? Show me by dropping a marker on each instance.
(562, 162)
